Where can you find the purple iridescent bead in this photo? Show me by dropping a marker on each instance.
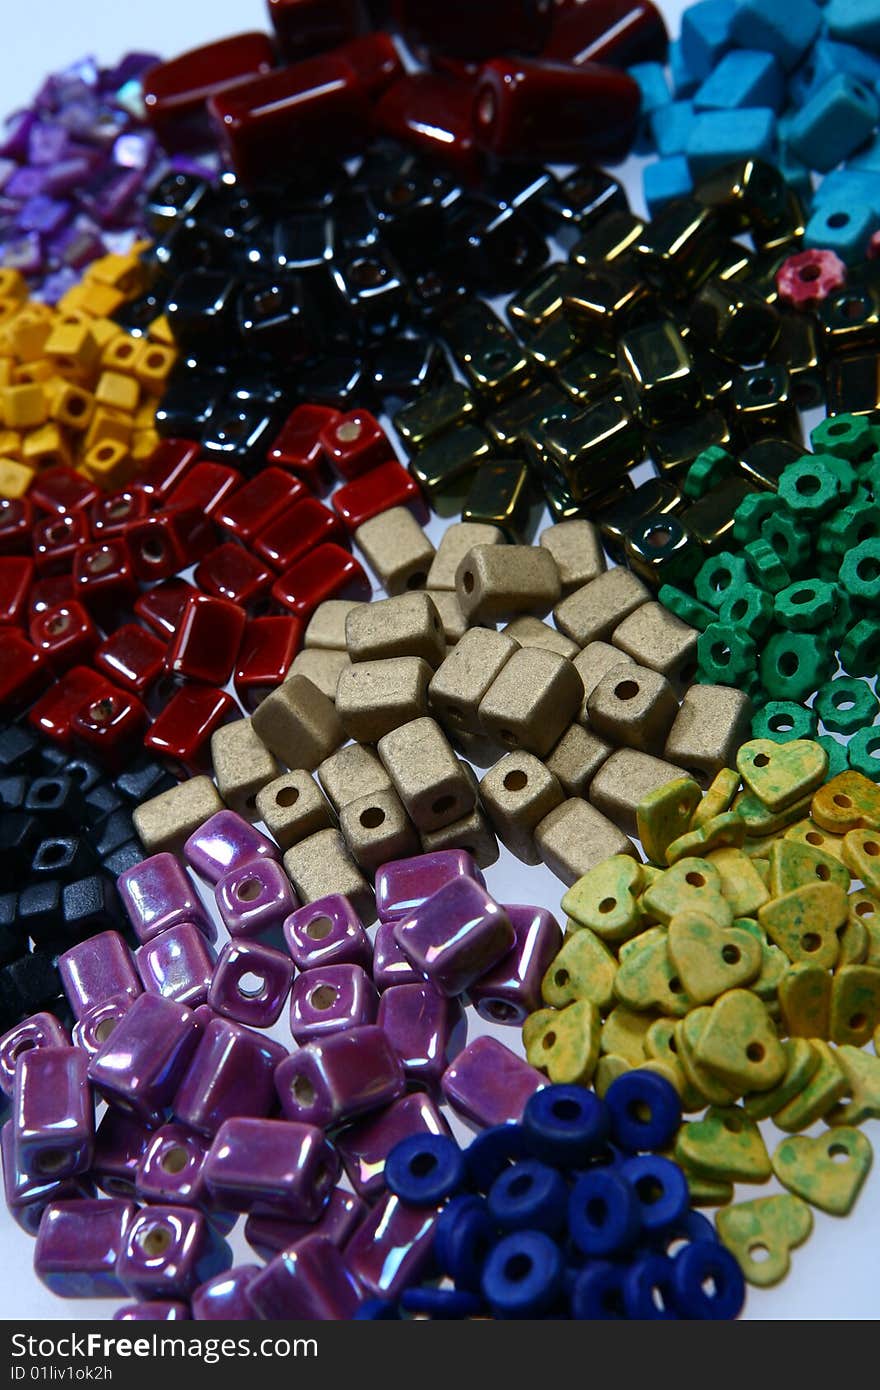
(250, 983)
(154, 1311)
(26, 1197)
(455, 936)
(308, 1283)
(142, 1063)
(120, 1144)
(91, 1032)
(488, 1084)
(511, 990)
(169, 1251)
(392, 1247)
(347, 1074)
(327, 932)
(53, 1113)
(390, 965)
(79, 1245)
(177, 964)
(255, 898)
(231, 1074)
(422, 1025)
(157, 894)
(402, 885)
(39, 1030)
(16, 134)
(273, 1167)
(340, 1218)
(172, 1167)
(225, 842)
(225, 1297)
(364, 1146)
(95, 970)
(331, 998)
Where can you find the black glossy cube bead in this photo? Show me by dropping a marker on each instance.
(240, 432)
(143, 778)
(187, 404)
(173, 197)
(763, 405)
(62, 856)
(40, 908)
(408, 215)
(662, 550)
(405, 365)
(581, 199)
(200, 307)
(435, 292)
(655, 498)
(57, 801)
(530, 190)
(276, 318)
(372, 289)
(305, 242)
(136, 315)
(340, 381)
(90, 905)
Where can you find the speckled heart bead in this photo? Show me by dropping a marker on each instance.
(273, 1167)
(455, 936)
(340, 1077)
(157, 894)
(255, 898)
(250, 983)
(403, 885)
(327, 932)
(229, 1075)
(329, 999)
(224, 843)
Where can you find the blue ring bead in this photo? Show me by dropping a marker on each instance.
(425, 1169)
(491, 1151)
(694, 1226)
(709, 1283)
(597, 1293)
(649, 1290)
(644, 1110)
(529, 1196)
(603, 1214)
(446, 1305)
(465, 1235)
(566, 1125)
(661, 1190)
(523, 1276)
(376, 1310)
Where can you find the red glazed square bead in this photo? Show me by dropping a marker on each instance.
(110, 515)
(205, 486)
(103, 577)
(355, 443)
(48, 593)
(389, 485)
(255, 505)
(182, 732)
(65, 635)
(16, 525)
(299, 446)
(109, 725)
(16, 578)
(298, 530)
(132, 657)
(265, 656)
(61, 489)
(172, 459)
(57, 539)
(327, 572)
(207, 640)
(53, 712)
(161, 606)
(232, 572)
(168, 541)
(23, 671)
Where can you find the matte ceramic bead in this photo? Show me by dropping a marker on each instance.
(330, 998)
(488, 1084)
(343, 1213)
(392, 1248)
(78, 1247)
(833, 122)
(223, 844)
(39, 1030)
(715, 140)
(178, 965)
(157, 894)
(255, 898)
(168, 1251)
(340, 1077)
(27, 1197)
(455, 936)
(310, 1281)
(424, 1028)
(277, 1167)
(365, 1145)
(141, 1064)
(514, 98)
(327, 932)
(171, 1168)
(785, 27)
(250, 983)
(53, 1113)
(231, 1074)
(94, 970)
(511, 990)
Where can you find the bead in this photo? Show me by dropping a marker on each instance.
(845, 705)
(94, 970)
(326, 932)
(53, 1116)
(140, 1065)
(716, 141)
(531, 701)
(809, 277)
(242, 765)
(171, 1167)
(711, 723)
(455, 936)
(633, 706)
(286, 1170)
(592, 613)
(181, 734)
(422, 1026)
(426, 775)
(298, 724)
(523, 1275)
(603, 1214)
(292, 808)
(340, 1077)
(254, 898)
(465, 676)
(308, 1281)
(782, 720)
(644, 1111)
(177, 964)
(78, 1245)
(169, 1251)
(329, 999)
(325, 572)
(396, 549)
(565, 1125)
(339, 1219)
(131, 656)
(230, 1076)
(511, 95)
(166, 821)
(157, 894)
(488, 1084)
(648, 1290)
(375, 697)
(225, 1297)
(38, 1031)
(424, 1170)
(598, 1291)
(697, 1263)
(512, 989)
(661, 1188)
(223, 843)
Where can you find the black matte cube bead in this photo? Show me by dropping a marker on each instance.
(62, 856)
(19, 833)
(143, 779)
(90, 905)
(19, 749)
(40, 908)
(13, 791)
(28, 985)
(57, 802)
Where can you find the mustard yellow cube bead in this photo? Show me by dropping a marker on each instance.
(119, 355)
(15, 478)
(122, 273)
(153, 365)
(145, 415)
(12, 284)
(108, 464)
(28, 333)
(143, 445)
(159, 331)
(101, 301)
(72, 346)
(7, 367)
(107, 425)
(41, 370)
(117, 390)
(24, 407)
(69, 309)
(46, 447)
(105, 332)
(10, 444)
(70, 405)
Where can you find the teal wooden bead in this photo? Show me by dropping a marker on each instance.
(863, 753)
(784, 720)
(785, 28)
(765, 567)
(792, 666)
(809, 488)
(708, 469)
(844, 230)
(860, 521)
(846, 475)
(670, 127)
(843, 616)
(796, 174)
(855, 21)
(744, 77)
(717, 139)
(706, 34)
(837, 755)
(651, 81)
(752, 512)
(748, 607)
(844, 187)
(726, 655)
(789, 538)
(716, 575)
(860, 572)
(665, 180)
(686, 607)
(834, 122)
(847, 437)
(860, 648)
(806, 606)
(684, 80)
(845, 704)
(867, 160)
(827, 57)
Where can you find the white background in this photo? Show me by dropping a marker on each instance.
(835, 1274)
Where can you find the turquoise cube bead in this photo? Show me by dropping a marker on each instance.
(785, 28)
(867, 159)
(671, 127)
(794, 171)
(717, 139)
(665, 180)
(845, 228)
(855, 21)
(706, 34)
(684, 81)
(651, 80)
(843, 187)
(742, 78)
(834, 122)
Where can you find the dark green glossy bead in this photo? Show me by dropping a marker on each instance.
(507, 425)
(762, 405)
(732, 319)
(765, 462)
(676, 446)
(662, 550)
(451, 459)
(541, 298)
(655, 498)
(852, 383)
(610, 238)
(659, 373)
(797, 349)
(595, 446)
(711, 519)
(591, 373)
(747, 194)
(606, 301)
(491, 360)
(502, 495)
(849, 321)
(682, 246)
(553, 342)
(433, 412)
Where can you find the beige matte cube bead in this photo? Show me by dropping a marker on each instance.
(710, 726)
(455, 624)
(472, 833)
(242, 766)
(576, 546)
(353, 772)
(326, 628)
(396, 549)
(166, 820)
(531, 632)
(456, 541)
(322, 666)
(479, 750)
(594, 662)
(577, 758)
(377, 829)
(633, 707)
(321, 866)
(654, 637)
(294, 807)
(576, 837)
(592, 613)
(624, 780)
(517, 793)
(497, 582)
(374, 697)
(299, 724)
(408, 625)
(533, 700)
(464, 678)
(428, 777)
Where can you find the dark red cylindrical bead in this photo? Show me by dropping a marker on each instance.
(255, 505)
(207, 640)
(132, 657)
(617, 32)
(304, 27)
(389, 485)
(175, 92)
(475, 28)
(299, 446)
(231, 572)
(433, 114)
(65, 635)
(298, 530)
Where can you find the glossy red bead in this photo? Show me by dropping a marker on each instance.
(376, 61)
(132, 657)
(467, 30)
(355, 443)
(56, 540)
(110, 515)
(207, 640)
(328, 572)
(432, 113)
(618, 32)
(298, 530)
(49, 593)
(249, 510)
(264, 657)
(23, 671)
(299, 446)
(65, 635)
(16, 525)
(103, 577)
(304, 27)
(182, 732)
(16, 578)
(53, 713)
(160, 607)
(175, 93)
(230, 571)
(109, 725)
(61, 489)
(171, 461)
(169, 541)
(205, 486)
(389, 485)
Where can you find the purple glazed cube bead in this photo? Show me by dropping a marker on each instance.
(403, 885)
(154, 1311)
(39, 1030)
(171, 1169)
(424, 1027)
(231, 1074)
(26, 1197)
(157, 894)
(309, 1283)
(142, 1063)
(120, 1144)
(178, 965)
(390, 965)
(16, 134)
(327, 932)
(79, 1245)
(347, 1074)
(224, 843)
(168, 1252)
(364, 1147)
(455, 936)
(275, 1167)
(91, 1032)
(511, 990)
(95, 970)
(331, 998)
(392, 1248)
(225, 1297)
(488, 1084)
(53, 1113)
(269, 1235)
(250, 983)
(255, 898)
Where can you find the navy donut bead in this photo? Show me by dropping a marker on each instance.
(465, 1235)
(566, 1125)
(661, 1190)
(694, 1226)
(425, 1169)
(376, 1310)
(443, 1304)
(644, 1110)
(493, 1150)
(597, 1292)
(523, 1276)
(709, 1283)
(529, 1196)
(649, 1291)
(603, 1213)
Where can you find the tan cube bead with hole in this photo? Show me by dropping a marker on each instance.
(374, 697)
(577, 758)
(595, 661)
(321, 866)
(353, 772)
(299, 724)
(625, 779)
(712, 722)
(576, 546)
(293, 807)
(396, 549)
(456, 542)
(576, 837)
(429, 779)
(242, 766)
(498, 582)
(167, 820)
(455, 624)
(377, 829)
(531, 632)
(517, 793)
(322, 667)
(592, 613)
(326, 629)
(472, 833)
(656, 638)
(458, 687)
(407, 625)
(532, 701)
(633, 707)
